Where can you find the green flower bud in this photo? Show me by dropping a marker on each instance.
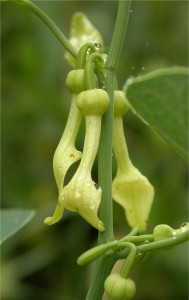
(93, 102)
(75, 81)
(119, 288)
(120, 103)
(162, 232)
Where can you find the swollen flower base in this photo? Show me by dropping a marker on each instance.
(119, 288)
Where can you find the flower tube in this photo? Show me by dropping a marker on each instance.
(81, 194)
(130, 188)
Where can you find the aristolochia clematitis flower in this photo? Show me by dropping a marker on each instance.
(81, 194)
(66, 154)
(81, 32)
(130, 188)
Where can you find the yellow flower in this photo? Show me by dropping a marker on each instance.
(65, 155)
(130, 188)
(80, 194)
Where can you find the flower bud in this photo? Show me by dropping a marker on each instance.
(119, 288)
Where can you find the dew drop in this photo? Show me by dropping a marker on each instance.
(146, 242)
(104, 56)
(79, 178)
(92, 206)
(139, 253)
(78, 192)
(97, 46)
(88, 183)
(174, 233)
(184, 226)
(103, 85)
(131, 11)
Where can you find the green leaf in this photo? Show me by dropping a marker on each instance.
(81, 32)
(160, 99)
(13, 220)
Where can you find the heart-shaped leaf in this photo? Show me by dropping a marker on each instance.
(160, 99)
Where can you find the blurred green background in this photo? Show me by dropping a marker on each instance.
(40, 262)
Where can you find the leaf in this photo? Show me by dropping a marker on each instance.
(160, 99)
(13, 220)
(81, 32)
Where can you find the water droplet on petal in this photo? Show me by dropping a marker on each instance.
(174, 233)
(88, 183)
(92, 205)
(78, 192)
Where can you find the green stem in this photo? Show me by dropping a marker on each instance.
(127, 266)
(103, 268)
(105, 168)
(90, 80)
(82, 54)
(52, 26)
(181, 238)
(137, 239)
(119, 34)
(105, 148)
(105, 264)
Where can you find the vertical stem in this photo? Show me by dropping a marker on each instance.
(105, 264)
(105, 148)
(105, 167)
(119, 34)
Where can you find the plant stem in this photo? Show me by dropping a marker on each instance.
(105, 264)
(103, 268)
(105, 147)
(105, 168)
(119, 34)
(181, 238)
(52, 26)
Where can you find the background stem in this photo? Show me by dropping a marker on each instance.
(105, 264)
(52, 26)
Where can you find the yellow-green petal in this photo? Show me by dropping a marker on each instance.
(81, 195)
(135, 194)
(82, 31)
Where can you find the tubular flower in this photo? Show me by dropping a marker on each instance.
(66, 154)
(81, 194)
(130, 188)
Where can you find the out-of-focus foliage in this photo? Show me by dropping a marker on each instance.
(13, 220)
(40, 262)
